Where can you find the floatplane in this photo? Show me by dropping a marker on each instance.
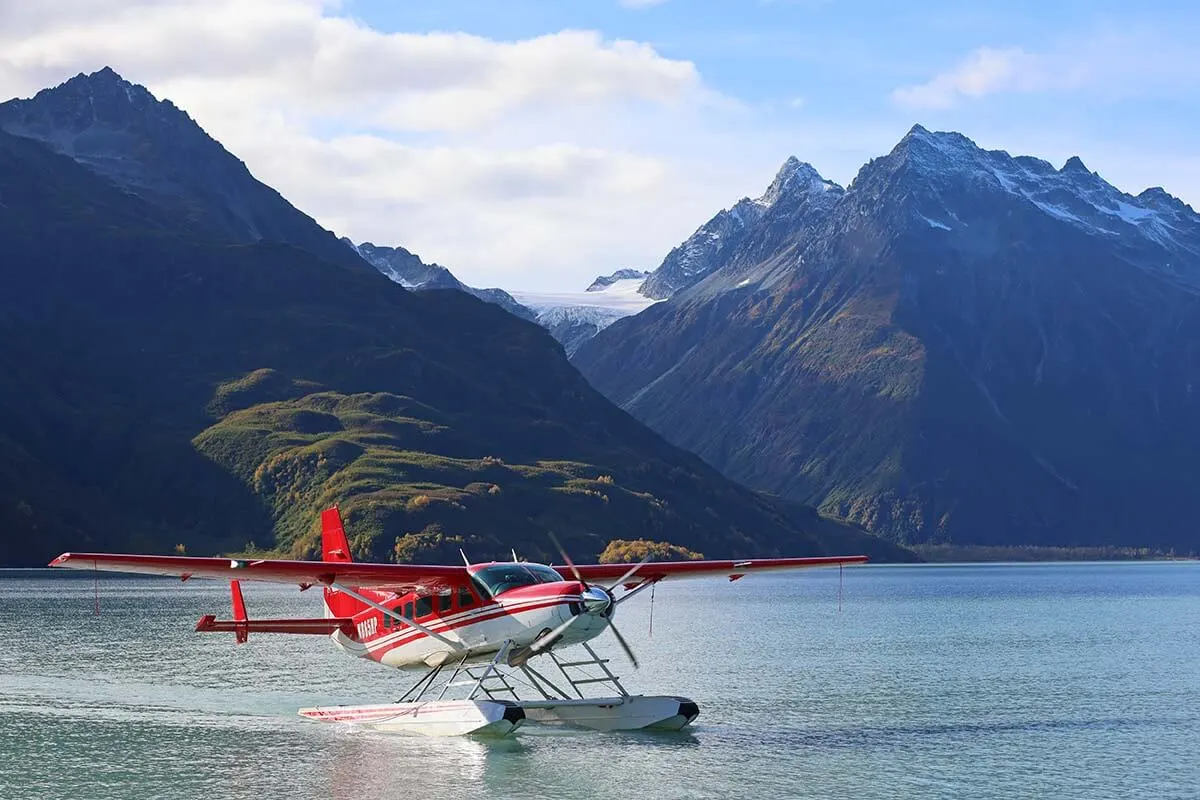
(471, 630)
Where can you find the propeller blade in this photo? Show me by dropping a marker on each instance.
(628, 574)
(624, 644)
(566, 558)
(543, 642)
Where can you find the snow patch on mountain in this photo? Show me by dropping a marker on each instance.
(574, 317)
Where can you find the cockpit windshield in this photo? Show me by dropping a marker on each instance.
(499, 578)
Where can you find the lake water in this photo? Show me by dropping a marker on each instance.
(977, 681)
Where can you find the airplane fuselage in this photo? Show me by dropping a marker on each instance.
(472, 620)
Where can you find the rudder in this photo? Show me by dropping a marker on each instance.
(336, 549)
(334, 546)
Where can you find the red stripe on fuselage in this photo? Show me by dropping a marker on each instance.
(512, 602)
(416, 635)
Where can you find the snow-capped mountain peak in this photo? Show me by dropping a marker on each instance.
(603, 282)
(796, 184)
(943, 165)
(795, 175)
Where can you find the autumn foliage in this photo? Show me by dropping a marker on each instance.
(623, 551)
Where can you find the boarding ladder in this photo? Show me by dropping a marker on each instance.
(578, 675)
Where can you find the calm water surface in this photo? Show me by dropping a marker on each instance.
(996, 681)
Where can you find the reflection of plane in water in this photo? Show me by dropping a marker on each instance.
(473, 630)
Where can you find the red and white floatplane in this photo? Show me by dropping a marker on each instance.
(472, 631)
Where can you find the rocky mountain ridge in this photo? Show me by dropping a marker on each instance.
(408, 270)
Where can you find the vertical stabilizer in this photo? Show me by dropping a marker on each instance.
(334, 546)
(336, 549)
(241, 630)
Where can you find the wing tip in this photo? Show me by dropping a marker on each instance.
(58, 562)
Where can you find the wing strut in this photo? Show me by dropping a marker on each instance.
(393, 614)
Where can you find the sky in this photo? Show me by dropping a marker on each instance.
(535, 145)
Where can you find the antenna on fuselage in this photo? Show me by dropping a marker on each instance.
(466, 560)
(514, 552)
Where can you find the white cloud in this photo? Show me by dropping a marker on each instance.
(1108, 64)
(985, 71)
(288, 51)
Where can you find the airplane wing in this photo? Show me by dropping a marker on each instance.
(733, 569)
(399, 578)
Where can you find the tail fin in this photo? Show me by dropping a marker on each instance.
(241, 632)
(335, 548)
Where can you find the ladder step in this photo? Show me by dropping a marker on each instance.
(583, 663)
(593, 680)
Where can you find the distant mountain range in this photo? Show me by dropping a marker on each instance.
(963, 346)
(191, 363)
(411, 272)
(571, 317)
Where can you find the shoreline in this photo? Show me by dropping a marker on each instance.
(966, 553)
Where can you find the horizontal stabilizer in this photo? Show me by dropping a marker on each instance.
(318, 626)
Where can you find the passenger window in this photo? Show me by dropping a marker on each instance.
(465, 599)
(387, 620)
(443, 603)
(424, 606)
(408, 610)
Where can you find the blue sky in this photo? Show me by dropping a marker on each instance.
(836, 63)
(533, 145)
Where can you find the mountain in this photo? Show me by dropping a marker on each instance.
(170, 388)
(154, 150)
(574, 317)
(716, 240)
(605, 281)
(963, 347)
(411, 272)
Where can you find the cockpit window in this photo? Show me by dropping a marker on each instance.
(499, 578)
(544, 574)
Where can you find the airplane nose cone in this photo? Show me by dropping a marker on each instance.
(597, 601)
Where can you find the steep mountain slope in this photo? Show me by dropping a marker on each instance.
(166, 387)
(963, 347)
(408, 270)
(152, 149)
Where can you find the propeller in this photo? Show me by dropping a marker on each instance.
(624, 645)
(597, 600)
